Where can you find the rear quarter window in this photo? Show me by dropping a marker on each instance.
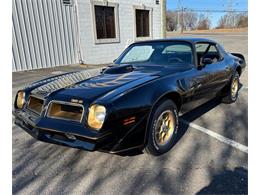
(221, 50)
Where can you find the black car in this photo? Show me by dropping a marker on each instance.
(133, 103)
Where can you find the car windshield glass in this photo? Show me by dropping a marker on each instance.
(157, 53)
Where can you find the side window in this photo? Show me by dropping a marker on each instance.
(213, 49)
(201, 48)
(207, 50)
(221, 50)
(178, 54)
(214, 54)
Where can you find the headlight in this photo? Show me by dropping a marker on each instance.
(96, 116)
(20, 99)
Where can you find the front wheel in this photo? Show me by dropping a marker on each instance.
(233, 88)
(162, 130)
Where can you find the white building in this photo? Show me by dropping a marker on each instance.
(49, 33)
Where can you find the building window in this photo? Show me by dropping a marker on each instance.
(142, 23)
(105, 22)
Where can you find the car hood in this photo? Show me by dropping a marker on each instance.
(82, 85)
(88, 86)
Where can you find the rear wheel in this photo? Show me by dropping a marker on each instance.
(233, 88)
(162, 130)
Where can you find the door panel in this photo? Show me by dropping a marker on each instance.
(196, 94)
(218, 76)
(203, 84)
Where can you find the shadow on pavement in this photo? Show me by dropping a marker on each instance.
(194, 114)
(228, 182)
(200, 110)
(133, 152)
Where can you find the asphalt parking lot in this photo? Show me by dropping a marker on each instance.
(210, 156)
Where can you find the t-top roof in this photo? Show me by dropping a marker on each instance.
(188, 39)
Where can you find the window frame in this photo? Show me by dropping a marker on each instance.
(116, 18)
(150, 9)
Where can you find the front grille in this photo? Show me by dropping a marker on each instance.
(64, 111)
(35, 104)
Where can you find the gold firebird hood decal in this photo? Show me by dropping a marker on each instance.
(63, 81)
(74, 80)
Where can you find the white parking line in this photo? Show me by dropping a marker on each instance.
(219, 137)
(244, 88)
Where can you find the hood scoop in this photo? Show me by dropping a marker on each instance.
(118, 69)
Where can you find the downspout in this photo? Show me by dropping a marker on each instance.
(78, 32)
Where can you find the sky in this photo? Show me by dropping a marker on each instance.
(208, 5)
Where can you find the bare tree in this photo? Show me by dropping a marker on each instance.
(190, 20)
(204, 22)
(242, 21)
(232, 20)
(171, 21)
(227, 21)
(222, 23)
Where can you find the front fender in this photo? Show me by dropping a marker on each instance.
(139, 103)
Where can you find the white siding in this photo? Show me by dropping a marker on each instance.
(105, 53)
(43, 34)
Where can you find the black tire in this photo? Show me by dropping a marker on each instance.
(153, 147)
(231, 96)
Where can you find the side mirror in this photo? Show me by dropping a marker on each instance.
(206, 61)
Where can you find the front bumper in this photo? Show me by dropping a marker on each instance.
(60, 132)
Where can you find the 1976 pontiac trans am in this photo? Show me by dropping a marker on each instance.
(133, 103)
